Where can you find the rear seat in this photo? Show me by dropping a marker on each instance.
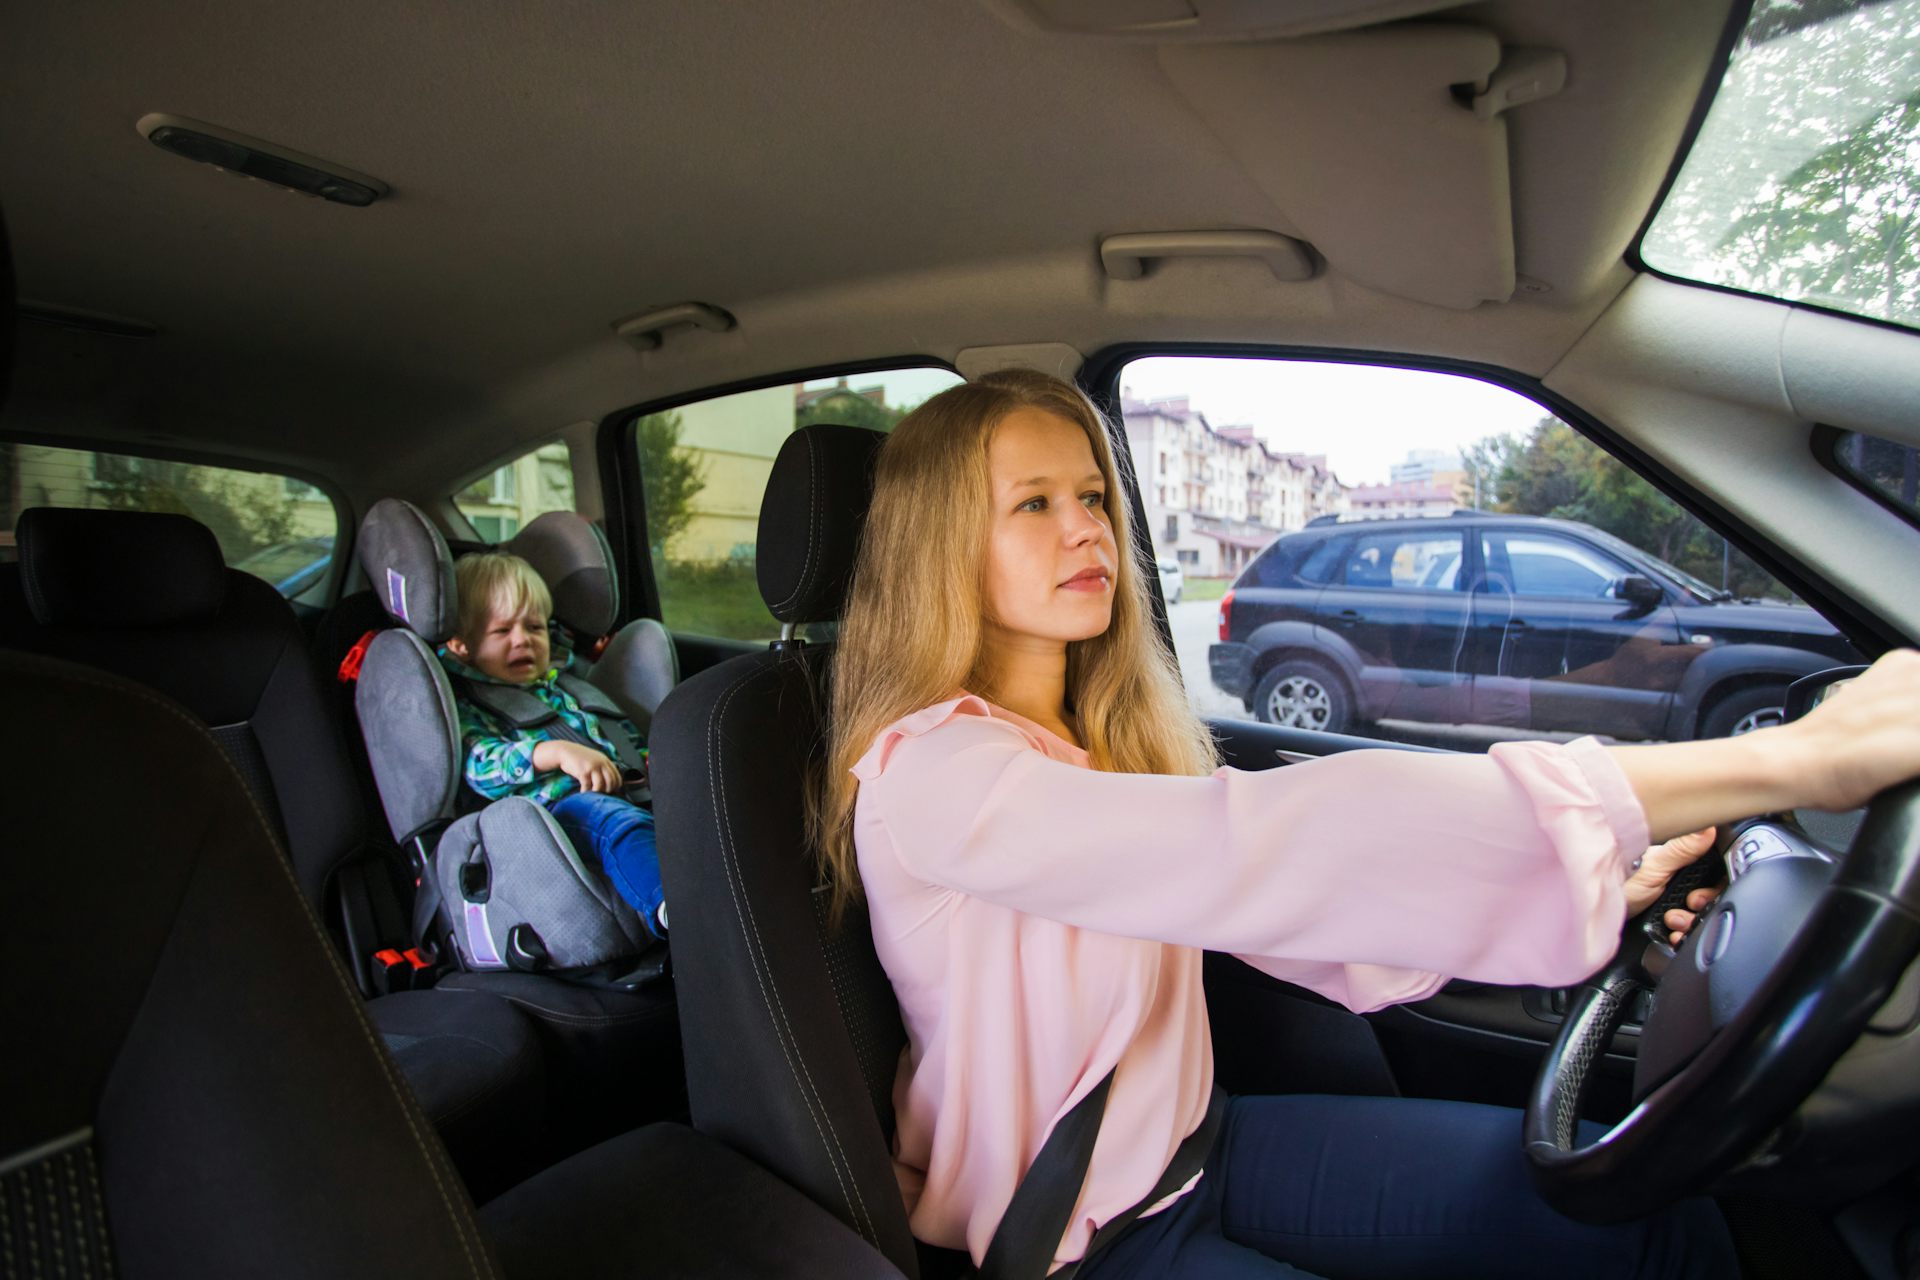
(612, 1047)
(148, 597)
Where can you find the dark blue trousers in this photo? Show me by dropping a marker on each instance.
(620, 834)
(1386, 1188)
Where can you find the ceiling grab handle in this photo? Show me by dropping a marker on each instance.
(1125, 256)
(646, 331)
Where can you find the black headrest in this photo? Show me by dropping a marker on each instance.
(6, 310)
(811, 518)
(410, 569)
(118, 568)
(572, 557)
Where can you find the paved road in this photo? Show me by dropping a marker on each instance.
(1196, 624)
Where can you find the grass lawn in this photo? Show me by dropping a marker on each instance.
(714, 600)
(1204, 588)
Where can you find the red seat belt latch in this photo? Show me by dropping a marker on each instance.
(350, 665)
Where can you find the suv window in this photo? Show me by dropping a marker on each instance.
(1592, 604)
(1405, 562)
(704, 468)
(503, 501)
(279, 529)
(1542, 565)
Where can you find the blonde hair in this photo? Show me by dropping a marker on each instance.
(495, 584)
(912, 632)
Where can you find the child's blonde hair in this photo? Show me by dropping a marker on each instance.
(495, 584)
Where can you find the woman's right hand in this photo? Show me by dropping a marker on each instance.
(1863, 737)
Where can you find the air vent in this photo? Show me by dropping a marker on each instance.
(261, 161)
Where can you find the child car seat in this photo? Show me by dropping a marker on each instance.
(611, 1029)
(501, 887)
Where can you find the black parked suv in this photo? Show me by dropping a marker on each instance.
(1517, 622)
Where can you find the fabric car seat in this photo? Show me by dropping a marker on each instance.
(148, 596)
(198, 1092)
(613, 1048)
(792, 1033)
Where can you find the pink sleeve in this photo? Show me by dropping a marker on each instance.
(1364, 876)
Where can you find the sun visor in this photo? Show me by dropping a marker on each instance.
(1371, 144)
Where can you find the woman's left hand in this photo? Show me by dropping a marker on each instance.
(1657, 867)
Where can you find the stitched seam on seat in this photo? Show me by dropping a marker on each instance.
(813, 519)
(783, 1031)
(548, 1014)
(339, 974)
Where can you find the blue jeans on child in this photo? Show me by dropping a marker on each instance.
(1304, 1186)
(620, 834)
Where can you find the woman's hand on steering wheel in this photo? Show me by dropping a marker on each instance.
(1863, 737)
(1657, 866)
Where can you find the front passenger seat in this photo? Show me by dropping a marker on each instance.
(148, 596)
(192, 1089)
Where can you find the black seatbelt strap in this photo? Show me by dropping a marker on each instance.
(1189, 1158)
(1029, 1233)
(1023, 1244)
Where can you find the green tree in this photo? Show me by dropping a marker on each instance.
(1843, 225)
(670, 476)
(848, 408)
(224, 501)
(1555, 471)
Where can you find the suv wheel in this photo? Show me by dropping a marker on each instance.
(1300, 693)
(1743, 711)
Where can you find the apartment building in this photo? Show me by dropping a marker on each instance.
(1215, 496)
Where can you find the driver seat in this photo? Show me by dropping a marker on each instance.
(791, 1031)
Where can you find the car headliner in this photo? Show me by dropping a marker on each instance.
(852, 180)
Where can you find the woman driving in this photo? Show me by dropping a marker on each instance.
(1046, 846)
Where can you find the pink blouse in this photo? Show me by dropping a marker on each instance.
(1042, 924)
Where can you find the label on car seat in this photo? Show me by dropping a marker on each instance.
(480, 938)
(397, 596)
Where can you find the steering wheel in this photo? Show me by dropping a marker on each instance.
(1769, 989)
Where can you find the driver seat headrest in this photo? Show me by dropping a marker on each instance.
(811, 520)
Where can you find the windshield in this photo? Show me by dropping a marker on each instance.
(1804, 182)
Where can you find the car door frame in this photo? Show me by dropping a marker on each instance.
(1494, 1035)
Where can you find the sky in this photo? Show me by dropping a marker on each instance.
(1364, 418)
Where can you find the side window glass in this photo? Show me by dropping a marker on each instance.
(1886, 469)
(704, 468)
(1477, 571)
(1554, 567)
(279, 529)
(503, 501)
(1402, 563)
(1320, 564)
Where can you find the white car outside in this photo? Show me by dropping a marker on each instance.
(1171, 580)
